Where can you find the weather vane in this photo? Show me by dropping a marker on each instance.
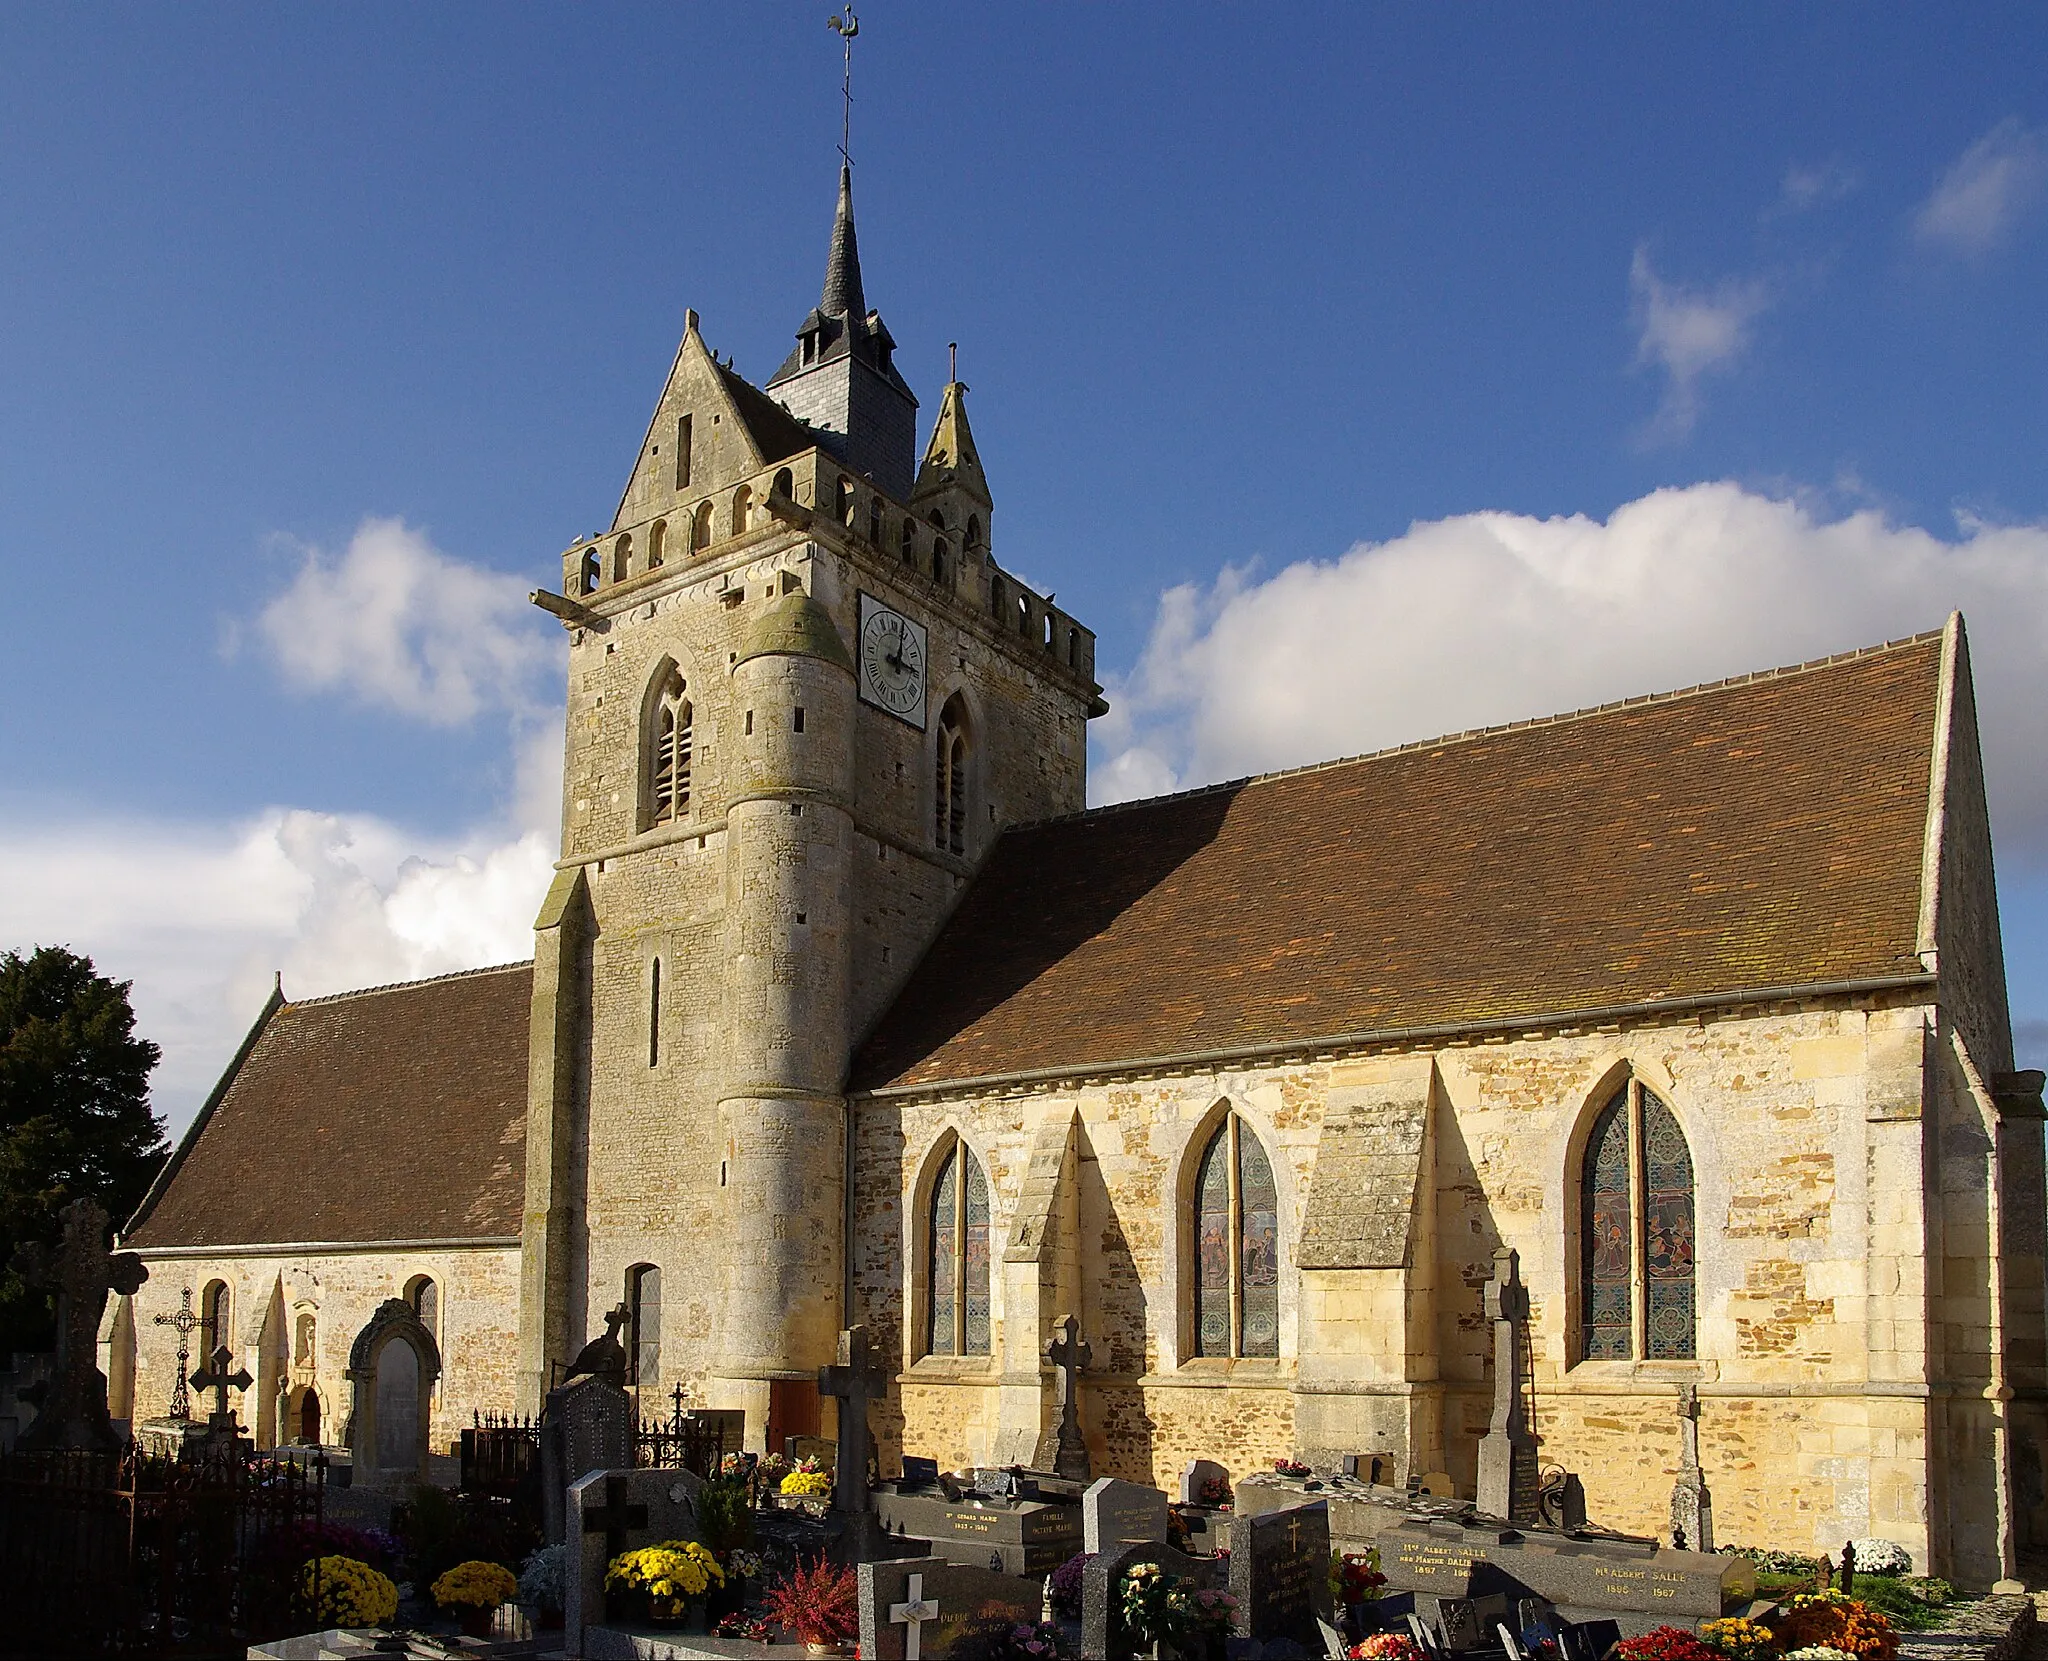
(846, 26)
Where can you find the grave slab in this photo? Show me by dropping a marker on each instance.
(919, 1608)
(1280, 1573)
(1020, 1538)
(1119, 1513)
(614, 1511)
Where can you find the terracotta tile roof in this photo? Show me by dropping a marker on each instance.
(398, 1113)
(1761, 832)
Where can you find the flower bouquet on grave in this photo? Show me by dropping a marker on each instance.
(818, 1602)
(1291, 1468)
(472, 1591)
(660, 1584)
(1171, 1613)
(1834, 1620)
(1386, 1646)
(341, 1591)
(543, 1587)
(1663, 1643)
(1215, 1493)
(996, 1639)
(1737, 1639)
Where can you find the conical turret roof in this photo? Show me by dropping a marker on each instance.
(842, 296)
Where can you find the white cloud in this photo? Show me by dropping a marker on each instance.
(1806, 188)
(1688, 333)
(1491, 617)
(1980, 198)
(199, 916)
(398, 624)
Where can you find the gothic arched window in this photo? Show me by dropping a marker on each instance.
(215, 1316)
(643, 1325)
(949, 787)
(1636, 1234)
(956, 1257)
(1237, 1246)
(669, 742)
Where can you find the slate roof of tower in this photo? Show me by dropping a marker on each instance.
(1764, 832)
(397, 1113)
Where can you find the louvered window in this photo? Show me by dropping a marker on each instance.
(668, 771)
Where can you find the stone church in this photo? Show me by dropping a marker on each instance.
(844, 1007)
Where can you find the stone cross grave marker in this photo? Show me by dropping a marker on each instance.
(1692, 1507)
(184, 1323)
(919, 1608)
(618, 1511)
(913, 1612)
(1507, 1452)
(82, 1272)
(1069, 1353)
(856, 1378)
(220, 1381)
(1280, 1573)
(1118, 1513)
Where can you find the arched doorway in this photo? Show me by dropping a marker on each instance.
(308, 1417)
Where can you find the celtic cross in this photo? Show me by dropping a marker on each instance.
(184, 1323)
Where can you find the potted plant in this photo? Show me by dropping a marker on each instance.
(819, 1603)
(660, 1585)
(472, 1591)
(343, 1591)
(542, 1587)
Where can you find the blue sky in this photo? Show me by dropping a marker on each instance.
(1428, 365)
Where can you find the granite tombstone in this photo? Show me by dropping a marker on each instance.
(1119, 1513)
(615, 1511)
(1280, 1572)
(920, 1608)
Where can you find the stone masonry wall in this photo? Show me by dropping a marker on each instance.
(1804, 1127)
(476, 1325)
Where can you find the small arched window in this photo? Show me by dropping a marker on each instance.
(657, 538)
(1636, 1233)
(949, 792)
(996, 597)
(742, 509)
(842, 501)
(643, 1324)
(956, 1257)
(941, 560)
(875, 520)
(1236, 1230)
(425, 1298)
(216, 1312)
(906, 544)
(937, 519)
(973, 533)
(785, 485)
(700, 529)
(669, 744)
(593, 571)
(622, 559)
(1023, 615)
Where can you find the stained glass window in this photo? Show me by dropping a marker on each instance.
(957, 1258)
(1636, 1209)
(1237, 1246)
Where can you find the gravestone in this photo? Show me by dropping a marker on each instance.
(1118, 1513)
(398, 1409)
(610, 1512)
(1692, 1507)
(586, 1426)
(1069, 1353)
(1280, 1572)
(1507, 1452)
(856, 1379)
(73, 1413)
(919, 1608)
(822, 1451)
(1199, 1473)
(1023, 1537)
(920, 1475)
(1102, 1632)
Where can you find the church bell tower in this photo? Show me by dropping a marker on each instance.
(803, 703)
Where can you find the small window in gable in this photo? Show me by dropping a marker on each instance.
(683, 453)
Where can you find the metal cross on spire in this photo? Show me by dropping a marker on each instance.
(846, 26)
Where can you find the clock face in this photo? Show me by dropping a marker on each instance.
(892, 661)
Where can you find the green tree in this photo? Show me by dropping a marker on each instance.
(75, 1119)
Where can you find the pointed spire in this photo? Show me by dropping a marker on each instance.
(950, 459)
(843, 297)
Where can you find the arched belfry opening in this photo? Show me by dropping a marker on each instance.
(949, 788)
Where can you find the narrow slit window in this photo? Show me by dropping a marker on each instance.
(949, 788)
(654, 1014)
(683, 453)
